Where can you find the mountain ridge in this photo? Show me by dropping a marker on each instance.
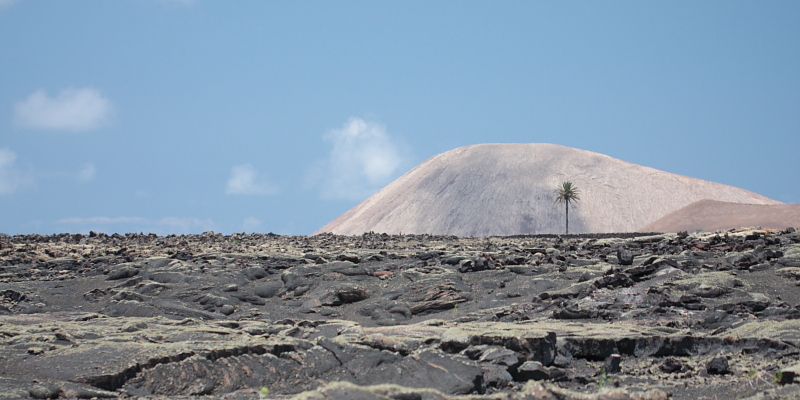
(711, 215)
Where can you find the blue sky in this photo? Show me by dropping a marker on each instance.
(186, 116)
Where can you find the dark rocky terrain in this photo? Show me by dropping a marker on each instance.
(628, 316)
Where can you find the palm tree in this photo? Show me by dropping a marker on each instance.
(565, 194)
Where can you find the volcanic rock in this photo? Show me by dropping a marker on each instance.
(396, 316)
(718, 366)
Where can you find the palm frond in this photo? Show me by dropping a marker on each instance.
(566, 193)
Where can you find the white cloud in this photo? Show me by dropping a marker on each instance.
(362, 160)
(251, 223)
(103, 220)
(11, 179)
(8, 182)
(166, 225)
(245, 180)
(186, 224)
(73, 109)
(86, 173)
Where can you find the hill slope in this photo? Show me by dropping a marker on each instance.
(710, 216)
(506, 189)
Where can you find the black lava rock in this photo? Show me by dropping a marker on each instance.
(718, 366)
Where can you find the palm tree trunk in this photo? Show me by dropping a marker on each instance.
(567, 205)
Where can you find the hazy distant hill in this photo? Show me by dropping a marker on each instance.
(710, 216)
(505, 189)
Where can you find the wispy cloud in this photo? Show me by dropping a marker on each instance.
(250, 224)
(245, 180)
(72, 109)
(14, 179)
(166, 225)
(6, 3)
(186, 224)
(363, 159)
(86, 173)
(11, 178)
(103, 220)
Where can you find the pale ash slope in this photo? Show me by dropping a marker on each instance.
(710, 216)
(506, 189)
